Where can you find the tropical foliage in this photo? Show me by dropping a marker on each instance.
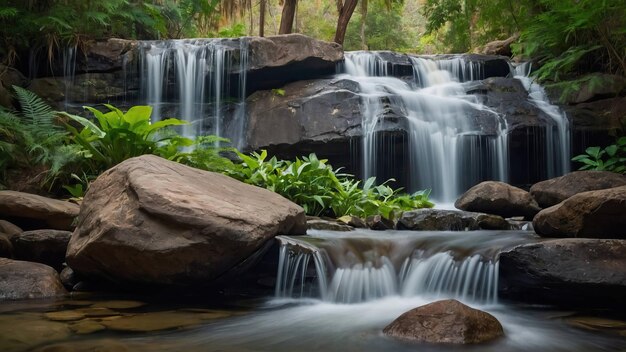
(320, 190)
(611, 158)
(32, 140)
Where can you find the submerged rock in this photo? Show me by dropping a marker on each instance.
(152, 221)
(499, 198)
(554, 191)
(449, 220)
(56, 214)
(590, 272)
(447, 321)
(22, 280)
(593, 214)
(42, 246)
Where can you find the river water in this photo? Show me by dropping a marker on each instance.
(310, 313)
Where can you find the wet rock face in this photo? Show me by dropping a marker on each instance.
(498, 198)
(593, 214)
(23, 280)
(445, 322)
(153, 221)
(589, 272)
(551, 192)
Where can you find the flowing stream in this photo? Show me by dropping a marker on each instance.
(334, 292)
(337, 291)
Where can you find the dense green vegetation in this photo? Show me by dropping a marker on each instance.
(611, 158)
(68, 151)
(566, 38)
(320, 190)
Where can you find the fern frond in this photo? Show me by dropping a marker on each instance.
(34, 109)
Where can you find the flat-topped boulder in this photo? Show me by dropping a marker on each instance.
(499, 198)
(591, 272)
(22, 280)
(447, 322)
(554, 191)
(51, 213)
(152, 221)
(593, 214)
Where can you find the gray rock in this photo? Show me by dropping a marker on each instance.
(22, 280)
(69, 278)
(152, 221)
(42, 246)
(449, 220)
(551, 192)
(499, 198)
(445, 322)
(378, 223)
(591, 272)
(593, 214)
(328, 225)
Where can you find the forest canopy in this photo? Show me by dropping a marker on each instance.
(566, 37)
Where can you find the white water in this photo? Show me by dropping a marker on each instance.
(352, 268)
(447, 153)
(558, 153)
(326, 323)
(200, 70)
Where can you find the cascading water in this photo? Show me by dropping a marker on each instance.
(447, 151)
(363, 267)
(199, 74)
(558, 135)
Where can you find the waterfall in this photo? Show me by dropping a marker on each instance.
(558, 153)
(349, 269)
(448, 153)
(198, 74)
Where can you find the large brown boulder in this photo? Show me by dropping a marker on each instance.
(554, 191)
(42, 246)
(55, 214)
(448, 321)
(150, 220)
(499, 198)
(21, 280)
(593, 214)
(566, 271)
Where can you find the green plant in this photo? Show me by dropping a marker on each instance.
(313, 184)
(116, 136)
(32, 140)
(611, 158)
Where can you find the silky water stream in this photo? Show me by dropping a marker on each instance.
(335, 291)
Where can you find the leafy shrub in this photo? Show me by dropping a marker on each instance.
(116, 136)
(320, 190)
(32, 140)
(611, 158)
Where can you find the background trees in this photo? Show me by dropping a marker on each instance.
(567, 37)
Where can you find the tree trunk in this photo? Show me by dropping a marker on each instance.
(363, 20)
(262, 18)
(345, 9)
(286, 20)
